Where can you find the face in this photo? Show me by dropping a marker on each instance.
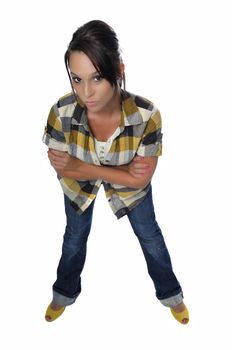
(95, 92)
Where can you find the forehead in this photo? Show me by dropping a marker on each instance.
(80, 63)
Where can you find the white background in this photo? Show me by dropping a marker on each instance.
(178, 54)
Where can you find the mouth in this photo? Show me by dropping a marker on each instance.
(90, 103)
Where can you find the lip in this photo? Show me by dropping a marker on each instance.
(90, 103)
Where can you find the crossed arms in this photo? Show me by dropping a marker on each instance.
(136, 174)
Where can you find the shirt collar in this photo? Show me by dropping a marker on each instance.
(79, 114)
(130, 114)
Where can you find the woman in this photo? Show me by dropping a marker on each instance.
(102, 134)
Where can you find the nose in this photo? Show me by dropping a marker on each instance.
(88, 90)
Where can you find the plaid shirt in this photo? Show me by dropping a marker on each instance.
(139, 134)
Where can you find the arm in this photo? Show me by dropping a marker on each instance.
(136, 175)
(124, 177)
(54, 136)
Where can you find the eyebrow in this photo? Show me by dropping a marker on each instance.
(76, 75)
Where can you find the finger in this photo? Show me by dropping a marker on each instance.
(139, 165)
(139, 158)
(57, 153)
(57, 166)
(57, 158)
(56, 161)
(137, 175)
(140, 170)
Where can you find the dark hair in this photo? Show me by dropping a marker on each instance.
(99, 42)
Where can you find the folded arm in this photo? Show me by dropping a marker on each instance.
(137, 174)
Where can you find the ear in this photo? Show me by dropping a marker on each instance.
(121, 74)
(122, 69)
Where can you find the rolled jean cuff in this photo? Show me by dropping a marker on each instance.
(62, 300)
(173, 301)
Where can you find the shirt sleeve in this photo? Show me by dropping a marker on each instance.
(54, 136)
(151, 143)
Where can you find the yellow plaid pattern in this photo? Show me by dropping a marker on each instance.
(140, 134)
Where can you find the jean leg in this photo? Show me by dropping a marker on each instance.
(67, 287)
(148, 232)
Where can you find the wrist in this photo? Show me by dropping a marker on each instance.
(123, 167)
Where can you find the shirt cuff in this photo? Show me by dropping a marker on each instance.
(52, 143)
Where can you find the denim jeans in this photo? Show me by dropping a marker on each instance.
(142, 218)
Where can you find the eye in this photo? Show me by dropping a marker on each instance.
(97, 78)
(76, 80)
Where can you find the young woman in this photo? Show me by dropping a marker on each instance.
(102, 134)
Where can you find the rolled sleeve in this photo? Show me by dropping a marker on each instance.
(151, 144)
(54, 137)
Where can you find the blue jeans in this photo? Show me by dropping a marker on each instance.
(142, 218)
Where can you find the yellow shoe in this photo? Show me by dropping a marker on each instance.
(182, 317)
(52, 315)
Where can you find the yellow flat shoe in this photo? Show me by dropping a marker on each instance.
(182, 317)
(52, 315)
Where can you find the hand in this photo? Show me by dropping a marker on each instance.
(63, 162)
(138, 167)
